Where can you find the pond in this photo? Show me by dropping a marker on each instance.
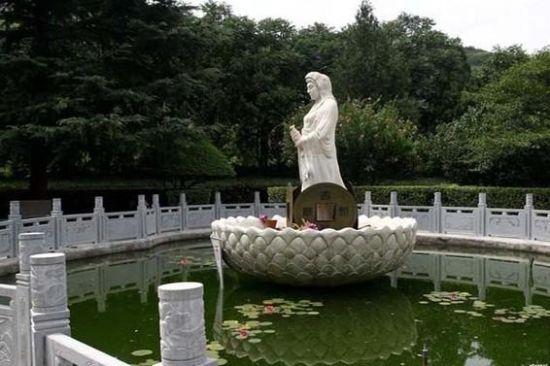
(443, 308)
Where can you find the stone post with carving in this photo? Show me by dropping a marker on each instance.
(438, 213)
(15, 224)
(394, 206)
(99, 214)
(367, 204)
(29, 244)
(218, 205)
(257, 204)
(141, 217)
(183, 340)
(57, 215)
(529, 207)
(158, 215)
(183, 211)
(482, 215)
(49, 308)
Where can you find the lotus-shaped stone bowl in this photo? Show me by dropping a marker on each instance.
(315, 257)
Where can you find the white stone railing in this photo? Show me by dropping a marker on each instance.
(104, 227)
(522, 223)
(35, 325)
(64, 350)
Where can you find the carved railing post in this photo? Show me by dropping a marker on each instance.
(218, 205)
(183, 210)
(529, 207)
(49, 311)
(142, 216)
(183, 340)
(257, 204)
(29, 244)
(394, 206)
(438, 212)
(482, 215)
(15, 224)
(367, 204)
(57, 215)
(99, 213)
(156, 207)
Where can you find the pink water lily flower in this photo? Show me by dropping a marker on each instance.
(263, 218)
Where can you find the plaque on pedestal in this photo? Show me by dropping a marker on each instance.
(328, 205)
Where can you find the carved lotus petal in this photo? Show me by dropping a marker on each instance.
(319, 258)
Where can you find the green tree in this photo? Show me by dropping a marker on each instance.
(368, 65)
(436, 67)
(84, 85)
(502, 138)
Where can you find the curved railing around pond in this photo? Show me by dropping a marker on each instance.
(104, 227)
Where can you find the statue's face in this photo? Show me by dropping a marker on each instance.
(312, 90)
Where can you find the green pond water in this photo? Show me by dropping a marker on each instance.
(490, 309)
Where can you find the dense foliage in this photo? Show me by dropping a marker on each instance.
(373, 141)
(141, 88)
(504, 137)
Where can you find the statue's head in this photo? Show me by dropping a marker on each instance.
(318, 85)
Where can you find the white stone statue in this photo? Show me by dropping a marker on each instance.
(316, 145)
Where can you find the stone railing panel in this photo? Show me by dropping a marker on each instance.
(506, 223)
(170, 219)
(44, 225)
(60, 347)
(272, 209)
(150, 222)
(541, 225)
(121, 225)
(237, 209)
(459, 220)
(8, 326)
(78, 229)
(6, 246)
(422, 214)
(380, 210)
(200, 216)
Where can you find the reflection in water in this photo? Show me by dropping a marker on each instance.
(97, 281)
(357, 325)
(364, 324)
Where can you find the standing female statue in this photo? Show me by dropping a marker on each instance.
(317, 159)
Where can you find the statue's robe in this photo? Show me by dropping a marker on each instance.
(317, 158)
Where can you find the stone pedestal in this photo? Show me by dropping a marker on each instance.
(181, 310)
(49, 308)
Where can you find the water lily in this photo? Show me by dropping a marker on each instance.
(184, 261)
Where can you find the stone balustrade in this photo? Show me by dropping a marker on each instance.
(62, 230)
(36, 320)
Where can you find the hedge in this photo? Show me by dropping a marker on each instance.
(451, 195)
(121, 195)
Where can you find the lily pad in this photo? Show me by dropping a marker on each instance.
(142, 352)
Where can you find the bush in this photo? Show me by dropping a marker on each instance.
(452, 196)
(503, 139)
(372, 140)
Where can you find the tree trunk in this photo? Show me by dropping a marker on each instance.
(39, 173)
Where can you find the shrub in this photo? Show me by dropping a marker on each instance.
(457, 196)
(372, 140)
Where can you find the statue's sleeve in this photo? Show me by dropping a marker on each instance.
(326, 118)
